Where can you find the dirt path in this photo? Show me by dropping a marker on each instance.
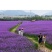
(40, 47)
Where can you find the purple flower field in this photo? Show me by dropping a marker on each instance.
(37, 27)
(6, 25)
(11, 42)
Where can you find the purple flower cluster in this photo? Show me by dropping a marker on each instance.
(11, 42)
(37, 27)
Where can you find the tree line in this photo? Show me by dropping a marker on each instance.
(25, 18)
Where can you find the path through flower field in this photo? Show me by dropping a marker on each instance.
(42, 47)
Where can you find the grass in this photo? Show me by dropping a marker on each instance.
(48, 45)
(36, 45)
(13, 29)
(32, 37)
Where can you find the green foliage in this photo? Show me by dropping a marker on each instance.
(48, 45)
(36, 45)
(32, 36)
(36, 17)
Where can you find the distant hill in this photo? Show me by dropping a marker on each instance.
(15, 13)
(49, 13)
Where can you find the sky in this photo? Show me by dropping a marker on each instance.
(26, 5)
